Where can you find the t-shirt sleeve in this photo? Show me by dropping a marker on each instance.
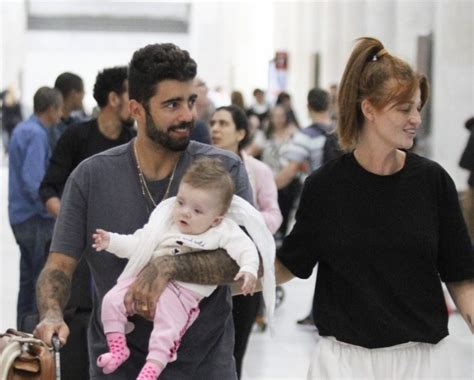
(297, 252)
(298, 149)
(456, 256)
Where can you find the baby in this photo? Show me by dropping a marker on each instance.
(197, 222)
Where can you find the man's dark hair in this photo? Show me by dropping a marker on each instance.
(68, 82)
(107, 81)
(318, 100)
(46, 97)
(282, 96)
(155, 63)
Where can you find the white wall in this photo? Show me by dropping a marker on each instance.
(453, 85)
(233, 41)
(50, 53)
(12, 42)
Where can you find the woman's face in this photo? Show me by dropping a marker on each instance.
(278, 117)
(224, 134)
(396, 125)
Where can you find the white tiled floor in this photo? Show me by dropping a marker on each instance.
(285, 356)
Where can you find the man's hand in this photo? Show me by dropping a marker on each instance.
(249, 282)
(143, 294)
(50, 325)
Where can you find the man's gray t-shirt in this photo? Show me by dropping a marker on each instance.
(104, 192)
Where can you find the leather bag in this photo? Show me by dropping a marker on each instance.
(23, 356)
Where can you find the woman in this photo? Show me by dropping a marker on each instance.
(230, 131)
(384, 225)
(278, 139)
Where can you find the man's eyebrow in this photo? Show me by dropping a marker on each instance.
(171, 100)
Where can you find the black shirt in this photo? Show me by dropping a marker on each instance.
(78, 142)
(382, 244)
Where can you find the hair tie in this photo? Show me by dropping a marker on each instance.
(379, 54)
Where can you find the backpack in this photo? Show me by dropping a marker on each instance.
(331, 149)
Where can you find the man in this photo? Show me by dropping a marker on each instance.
(203, 109)
(110, 129)
(312, 146)
(31, 224)
(71, 87)
(116, 190)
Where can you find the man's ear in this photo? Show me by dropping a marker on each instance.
(368, 110)
(113, 99)
(136, 109)
(217, 221)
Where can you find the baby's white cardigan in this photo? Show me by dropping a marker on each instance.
(241, 212)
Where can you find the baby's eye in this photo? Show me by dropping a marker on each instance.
(180, 202)
(197, 211)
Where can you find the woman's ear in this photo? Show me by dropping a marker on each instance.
(368, 109)
(241, 134)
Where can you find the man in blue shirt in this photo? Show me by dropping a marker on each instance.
(32, 226)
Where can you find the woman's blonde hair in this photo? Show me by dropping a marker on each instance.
(373, 74)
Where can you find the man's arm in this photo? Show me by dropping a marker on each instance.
(205, 268)
(287, 174)
(52, 293)
(462, 293)
(59, 168)
(53, 205)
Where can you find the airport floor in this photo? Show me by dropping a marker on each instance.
(284, 356)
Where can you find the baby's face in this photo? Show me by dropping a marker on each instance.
(196, 210)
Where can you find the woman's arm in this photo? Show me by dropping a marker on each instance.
(462, 293)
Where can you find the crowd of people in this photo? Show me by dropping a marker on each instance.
(172, 177)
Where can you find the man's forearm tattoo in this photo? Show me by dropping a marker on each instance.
(205, 268)
(52, 291)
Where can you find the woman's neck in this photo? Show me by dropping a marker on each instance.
(378, 160)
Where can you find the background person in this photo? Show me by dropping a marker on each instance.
(31, 225)
(467, 162)
(71, 87)
(385, 226)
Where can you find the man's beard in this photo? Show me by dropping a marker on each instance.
(128, 123)
(162, 138)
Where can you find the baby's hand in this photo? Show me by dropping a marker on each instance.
(101, 240)
(250, 281)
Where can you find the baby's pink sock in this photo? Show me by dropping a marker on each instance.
(150, 371)
(118, 353)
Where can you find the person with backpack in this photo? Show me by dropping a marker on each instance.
(312, 146)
